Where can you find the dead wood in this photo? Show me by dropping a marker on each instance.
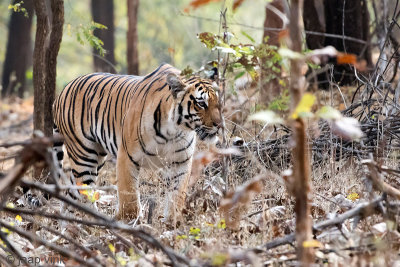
(361, 211)
(38, 150)
(377, 179)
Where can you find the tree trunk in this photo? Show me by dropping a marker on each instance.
(103, 13)
(19, 51)
(47, 44)
(132, 38)
(39, 65)
(57, 11)
(300, 152)
(314, 20)
(343, 18)
(270, 87)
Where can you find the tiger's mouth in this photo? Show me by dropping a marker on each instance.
(207, 134)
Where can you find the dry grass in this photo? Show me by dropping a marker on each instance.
(203, 234)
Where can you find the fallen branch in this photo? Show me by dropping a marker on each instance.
(362, 211)
(35, 238)
(376, 177)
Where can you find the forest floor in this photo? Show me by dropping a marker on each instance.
(265, 209)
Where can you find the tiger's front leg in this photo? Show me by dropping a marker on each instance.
(127, 183)
(177, 179)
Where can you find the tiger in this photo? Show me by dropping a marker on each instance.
(149, 122)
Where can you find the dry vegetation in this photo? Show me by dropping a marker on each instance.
(240, 208)
(252, 224)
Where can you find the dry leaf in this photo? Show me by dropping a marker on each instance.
(343, 58)
(198, 3)
(236, 203)
(236, 4)
(312, 244)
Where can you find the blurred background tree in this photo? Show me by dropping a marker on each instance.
(18, 55)
(165, 34)
(132, 37)
(103, 13)
(342, 18)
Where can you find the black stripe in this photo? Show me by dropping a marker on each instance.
(132, 160)
(80, 174)
(186, 147)
(181, 162)
(157, 122)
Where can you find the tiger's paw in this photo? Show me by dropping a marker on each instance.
(173, 213)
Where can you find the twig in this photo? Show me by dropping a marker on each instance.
(35, 238)
(362, 210)
(376, 178)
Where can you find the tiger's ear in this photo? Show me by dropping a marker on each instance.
(175, 83)
(214, 74)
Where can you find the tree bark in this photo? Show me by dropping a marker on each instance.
(270, 87)
(57, 11)
(314, 20)
(47, 44)
(132, 38)
(39, 65)
(300, 152)
(19, 51)
(103, 13)
(341, 17)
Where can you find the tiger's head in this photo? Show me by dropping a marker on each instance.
(197, 105)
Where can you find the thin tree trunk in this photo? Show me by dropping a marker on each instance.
(57, 10)
(103, 13)
(348, 18)
(47, 44)
(300, 152)
(19, 51)
(132, 37)
(314, 20)
(39, 65)
(270, 87)
(344, 18)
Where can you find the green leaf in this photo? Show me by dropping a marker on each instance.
(281, 103)
(188, 71)
(208, 39)
(240, 74)
(248, 36)
(247, 50)
(287, 53)
(17, 7)
(87, 32)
